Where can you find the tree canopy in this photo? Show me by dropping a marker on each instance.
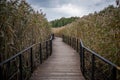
(62, 21)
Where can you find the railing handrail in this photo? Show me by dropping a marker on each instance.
(99, 56)
(19, 53)
(90, 61)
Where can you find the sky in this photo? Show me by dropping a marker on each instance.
(55, 9)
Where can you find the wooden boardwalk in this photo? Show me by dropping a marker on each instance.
(62, 65)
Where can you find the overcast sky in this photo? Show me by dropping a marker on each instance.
(55, 9)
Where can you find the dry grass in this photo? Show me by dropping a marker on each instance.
(20, 27)
(100, 32)
(56, 31)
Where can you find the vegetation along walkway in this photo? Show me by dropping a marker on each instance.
(62, 65)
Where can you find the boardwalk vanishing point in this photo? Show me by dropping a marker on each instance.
(63, 64)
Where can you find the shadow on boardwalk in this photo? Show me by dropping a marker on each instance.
(62, 65)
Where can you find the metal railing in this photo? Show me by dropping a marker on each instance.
(93, 66)
(22, 65)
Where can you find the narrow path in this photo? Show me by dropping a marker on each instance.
(62, 65)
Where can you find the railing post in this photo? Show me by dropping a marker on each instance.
(1, 74)
(114, 73)
(70, 41)
(81, 60)
(20, 67)
(77, 45)
(50, 47)
(46, 49)
(73, 43)
(64, 38)
(53, 37)
(31, 59)
(93, 67)
(80, 54)
(82, 57)
(40, 54)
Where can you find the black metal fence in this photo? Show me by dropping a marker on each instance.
(93, 66)
(22, 65)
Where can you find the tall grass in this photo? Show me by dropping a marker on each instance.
(20, 27)
(100, 32)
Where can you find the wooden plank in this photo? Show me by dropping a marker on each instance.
(62, 65)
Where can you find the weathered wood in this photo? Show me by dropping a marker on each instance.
(62, 65)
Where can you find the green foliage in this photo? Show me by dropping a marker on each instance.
(20, 27)
(62, 21)
(100, 32)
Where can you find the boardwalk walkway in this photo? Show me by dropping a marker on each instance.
(62, 65)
